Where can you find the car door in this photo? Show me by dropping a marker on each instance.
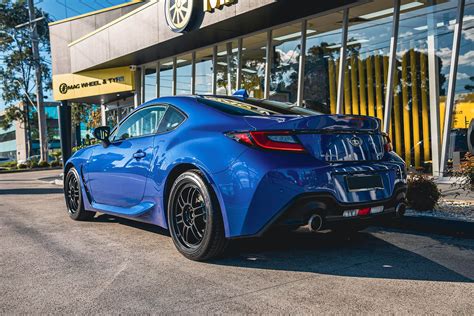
(117, 174)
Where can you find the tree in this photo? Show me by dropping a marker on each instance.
(12, 113)
(17, 74)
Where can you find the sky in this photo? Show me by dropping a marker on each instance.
(62, 9)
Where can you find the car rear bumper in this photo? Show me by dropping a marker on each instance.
(304, 206)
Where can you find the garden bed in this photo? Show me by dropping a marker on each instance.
(458, 209)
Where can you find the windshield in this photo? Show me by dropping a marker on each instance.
(252, 106)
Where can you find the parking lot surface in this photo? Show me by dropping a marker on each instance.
(51, 264)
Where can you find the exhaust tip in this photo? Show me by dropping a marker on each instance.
(400, 209)
(315, 222)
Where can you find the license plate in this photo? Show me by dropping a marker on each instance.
(364, 182)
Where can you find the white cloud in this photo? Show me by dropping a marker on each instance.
(445, 55)
(462, 76)
(467, 59)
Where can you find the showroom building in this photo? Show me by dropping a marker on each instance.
(409, 63)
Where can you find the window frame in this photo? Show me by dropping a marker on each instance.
(185, 116)
(116, 128)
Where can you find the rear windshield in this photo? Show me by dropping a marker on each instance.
(252, 106)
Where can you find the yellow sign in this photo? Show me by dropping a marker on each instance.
(210, 5)
(463, 114)
(92, 83)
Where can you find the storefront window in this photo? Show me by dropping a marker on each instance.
(150, 84)
(464, 92)
(253, 64)
(183, 74)
(226, 80)
(166, 78)
(286, 45)
(323, 46)
(421, 25)
(368, 50)
(204, 71)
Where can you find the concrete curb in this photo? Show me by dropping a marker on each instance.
(29, 170)
(433, 225)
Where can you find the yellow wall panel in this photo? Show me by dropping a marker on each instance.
(347, 91)
(425, 107)
(370, 86)
(362, 85)
(414, 102)
(378, 87)
(406, 111)
(332, 85)
(354, 85)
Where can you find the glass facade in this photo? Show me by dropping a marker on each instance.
(203, 81)
(149, 83)
(286, 50)
(253, 64)
(226, 68)
(183, 74)
(323, 45)
(340, 62)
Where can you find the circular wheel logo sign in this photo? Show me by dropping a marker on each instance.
(63, 88)
(179, 14)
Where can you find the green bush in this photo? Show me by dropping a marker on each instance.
(33, 164)
(22, 166)
(55, 163)
(10, 164)
(465, 174)
(43, 164)
(422, 194)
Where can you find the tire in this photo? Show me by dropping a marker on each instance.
(194, 218)
(73, 196)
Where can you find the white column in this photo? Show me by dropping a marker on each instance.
(302, 61)
(342, 62)
(239, 64)
(433, 71)
(157, 93)
(193, 72)
(103, 115)
(448, 116)
(138, 87)
(229, 69)
(391, 66)
(268, 65)
(214, 70)
(175, 79)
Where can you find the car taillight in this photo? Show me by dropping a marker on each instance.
(387, 144)
(281, 140)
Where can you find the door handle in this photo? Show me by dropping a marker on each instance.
(139, 154)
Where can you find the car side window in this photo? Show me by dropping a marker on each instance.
(172, 119)
(143, 122)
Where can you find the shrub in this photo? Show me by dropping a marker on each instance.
(55, 163)
(33, 164)
(466, 174)
(422, 194)
(43, 164)
(22, 166)
(9, 164)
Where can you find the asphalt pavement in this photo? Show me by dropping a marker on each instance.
(51, 264)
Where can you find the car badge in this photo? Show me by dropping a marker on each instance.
(355, 141)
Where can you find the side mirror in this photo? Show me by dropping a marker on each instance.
(102, 133)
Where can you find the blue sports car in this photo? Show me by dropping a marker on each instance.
(213, 168)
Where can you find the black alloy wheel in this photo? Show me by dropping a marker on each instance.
(194, 218)
(73, 196)
(190, 215)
